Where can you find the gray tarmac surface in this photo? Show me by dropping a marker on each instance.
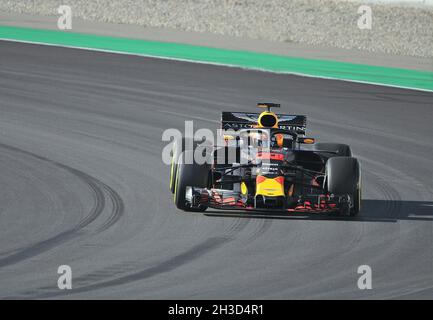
(83, 184)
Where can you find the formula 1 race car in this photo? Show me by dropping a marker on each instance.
(266, 163)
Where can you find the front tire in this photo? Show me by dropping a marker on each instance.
(189, 175)
(179, 146)
(343, 177)
(357, 198)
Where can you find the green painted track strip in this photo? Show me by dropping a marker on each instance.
(412, 79)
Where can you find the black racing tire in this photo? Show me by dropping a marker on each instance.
(357, 198)
(343, 177)
(179, 146)
(193, 175)
(343, 150)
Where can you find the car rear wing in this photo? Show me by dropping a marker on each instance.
(245, 120)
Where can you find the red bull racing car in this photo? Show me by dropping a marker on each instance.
(265, 163)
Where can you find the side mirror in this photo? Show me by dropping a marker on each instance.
(307, 140)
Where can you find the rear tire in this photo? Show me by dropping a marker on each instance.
(192, 175)
(343, 177)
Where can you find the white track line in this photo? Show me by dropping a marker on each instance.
(214, 64)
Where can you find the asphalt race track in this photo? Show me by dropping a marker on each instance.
(82, 184)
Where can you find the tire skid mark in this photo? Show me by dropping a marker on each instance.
(392, 199)
(263, 225)
(168, 265)
(393, 204)
(98, 195)
(97, 188)
(117, 211)
(345, 249)
(425, 190)
(238, 225)
(260, 226)
(98, 279)
(392, 209)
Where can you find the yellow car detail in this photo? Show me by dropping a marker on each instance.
(271, 187)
